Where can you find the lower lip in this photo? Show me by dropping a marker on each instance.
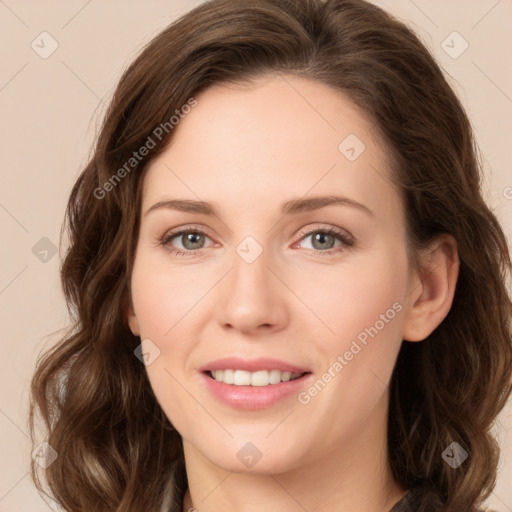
(254, 397)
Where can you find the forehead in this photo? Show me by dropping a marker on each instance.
(280, 135)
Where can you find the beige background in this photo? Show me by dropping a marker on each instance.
(50, 110)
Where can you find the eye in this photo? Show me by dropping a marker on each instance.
(191, 239)
(323, 240)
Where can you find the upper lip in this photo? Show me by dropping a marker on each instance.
(251, 365)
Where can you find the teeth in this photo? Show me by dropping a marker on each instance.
(274, 376)
(257, 379)
(228, 376)
(242, 378)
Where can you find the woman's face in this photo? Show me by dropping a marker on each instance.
(271, 276)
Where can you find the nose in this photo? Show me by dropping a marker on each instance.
(252, 299)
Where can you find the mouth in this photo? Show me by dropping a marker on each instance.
(253, 384)
(260, 378)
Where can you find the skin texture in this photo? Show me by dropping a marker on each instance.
(247, 150)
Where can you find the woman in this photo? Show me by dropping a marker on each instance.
(288, 290)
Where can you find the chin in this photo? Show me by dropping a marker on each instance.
(246, 457)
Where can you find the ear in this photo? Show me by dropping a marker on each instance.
(432, 290)
(132, 320)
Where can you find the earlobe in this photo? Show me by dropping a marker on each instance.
(432, 293)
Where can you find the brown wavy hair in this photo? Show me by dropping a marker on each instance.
(117, 451)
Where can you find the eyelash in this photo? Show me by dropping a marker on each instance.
(347, 241)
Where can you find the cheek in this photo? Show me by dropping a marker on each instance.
(163, 297)
(361, 293)
(362, 307)
(163, 302)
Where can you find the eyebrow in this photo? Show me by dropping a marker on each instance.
(291, 207)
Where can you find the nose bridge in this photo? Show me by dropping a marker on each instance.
(251, 295)
(250, 270)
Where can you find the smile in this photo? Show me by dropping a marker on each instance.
(258, 379)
